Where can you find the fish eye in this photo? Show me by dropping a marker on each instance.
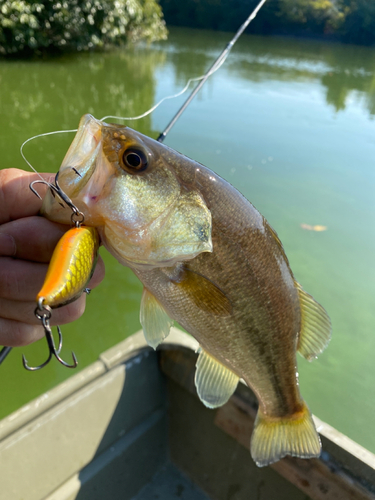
(135, 160)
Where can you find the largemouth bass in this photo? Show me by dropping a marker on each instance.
(209, 260)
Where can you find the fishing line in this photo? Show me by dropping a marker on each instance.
(202, 79)
(35, 137)
(173, 96)
(216, 65)
(123, 118)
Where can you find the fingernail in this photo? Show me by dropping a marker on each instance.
(7, 245)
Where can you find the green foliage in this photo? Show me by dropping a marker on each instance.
(359, 23)
(346, 20)
(316, 15)
(32, 26)
(223, 15)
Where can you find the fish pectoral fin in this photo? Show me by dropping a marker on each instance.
(155, 321)
(315, 326)
(204, 293)
(185, 233)
(274, 438)
(215, 383)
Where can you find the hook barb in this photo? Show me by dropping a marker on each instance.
(35, 368)
(31, 186)
(57, 352)
(52, 349)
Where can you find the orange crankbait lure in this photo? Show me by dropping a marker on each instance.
(71, 267)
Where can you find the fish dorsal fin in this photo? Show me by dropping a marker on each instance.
(155, 321)
(275, 236)
(315, 326)
(203, 292)
(215, 383)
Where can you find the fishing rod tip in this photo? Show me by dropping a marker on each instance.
(161, 137)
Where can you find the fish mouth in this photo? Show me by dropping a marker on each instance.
(76, 169)
(79, 162)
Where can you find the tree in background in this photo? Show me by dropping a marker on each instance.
(359, 23)
(317, 16)
(345, 20)
(29, 26)
(352, 20)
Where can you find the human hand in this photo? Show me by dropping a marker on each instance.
(27, 242)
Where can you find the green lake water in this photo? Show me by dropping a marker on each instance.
(290, 123)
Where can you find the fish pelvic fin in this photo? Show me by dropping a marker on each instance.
(215, 382)
(155, 321)
(315, 326)
(274, 438)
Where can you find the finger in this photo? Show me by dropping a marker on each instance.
(23, 312)
(30, 238)
(16, 199)
(14, 333)
(21, 280)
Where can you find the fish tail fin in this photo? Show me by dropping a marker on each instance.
(274, 438)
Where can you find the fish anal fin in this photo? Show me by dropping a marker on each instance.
(274, 438)
(155, 321)
(204, 293)
(215, 382)
(315, 326)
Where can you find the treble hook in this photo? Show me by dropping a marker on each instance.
(77, 216)
(44, 313)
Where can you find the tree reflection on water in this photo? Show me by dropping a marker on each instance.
(342, 69)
